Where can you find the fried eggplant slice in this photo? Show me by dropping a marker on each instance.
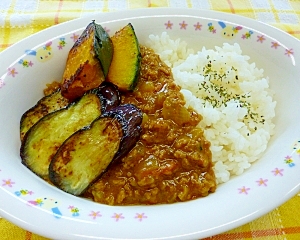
(44, 106)
(108, 93)
(88, 62)
(130, 118)
(44, 138)
(87, 154)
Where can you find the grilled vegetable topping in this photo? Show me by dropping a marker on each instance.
(43, 107)
(130, 117)
(43, 139)
(125, 66)
(72, 136)
(109, 95)
(88, 62)
(85, 155)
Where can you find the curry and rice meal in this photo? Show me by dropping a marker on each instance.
(132, 124)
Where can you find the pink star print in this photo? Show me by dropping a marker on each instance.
(277, 172)
(244, 190)
(7, 182)
(260, 38)
(275, 45)
(140, 216)
(197, 26)
(169, 25)
(118, 216)
(12, 71)
(94, 215)
(262, 182)
(289, 52)
(75, 37)
(183, 25)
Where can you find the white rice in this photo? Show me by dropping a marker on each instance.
(236, 142)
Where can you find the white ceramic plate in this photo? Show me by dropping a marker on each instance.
(33, 204)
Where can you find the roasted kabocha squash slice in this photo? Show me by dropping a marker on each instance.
(44, 106)
(87, 154)
(88, 62)
(43, 139)
(125, 66)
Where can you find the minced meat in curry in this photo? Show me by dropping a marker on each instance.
(171, 162)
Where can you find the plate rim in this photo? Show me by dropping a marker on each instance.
(135, 13)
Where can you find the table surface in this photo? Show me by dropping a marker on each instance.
(20, 18)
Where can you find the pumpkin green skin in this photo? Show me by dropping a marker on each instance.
(88, 62)
(125, 67)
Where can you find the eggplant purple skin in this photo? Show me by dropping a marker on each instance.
(107, 92)
(130, 117)
(109, 95)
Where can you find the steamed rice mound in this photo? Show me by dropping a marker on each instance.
(231, 94)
